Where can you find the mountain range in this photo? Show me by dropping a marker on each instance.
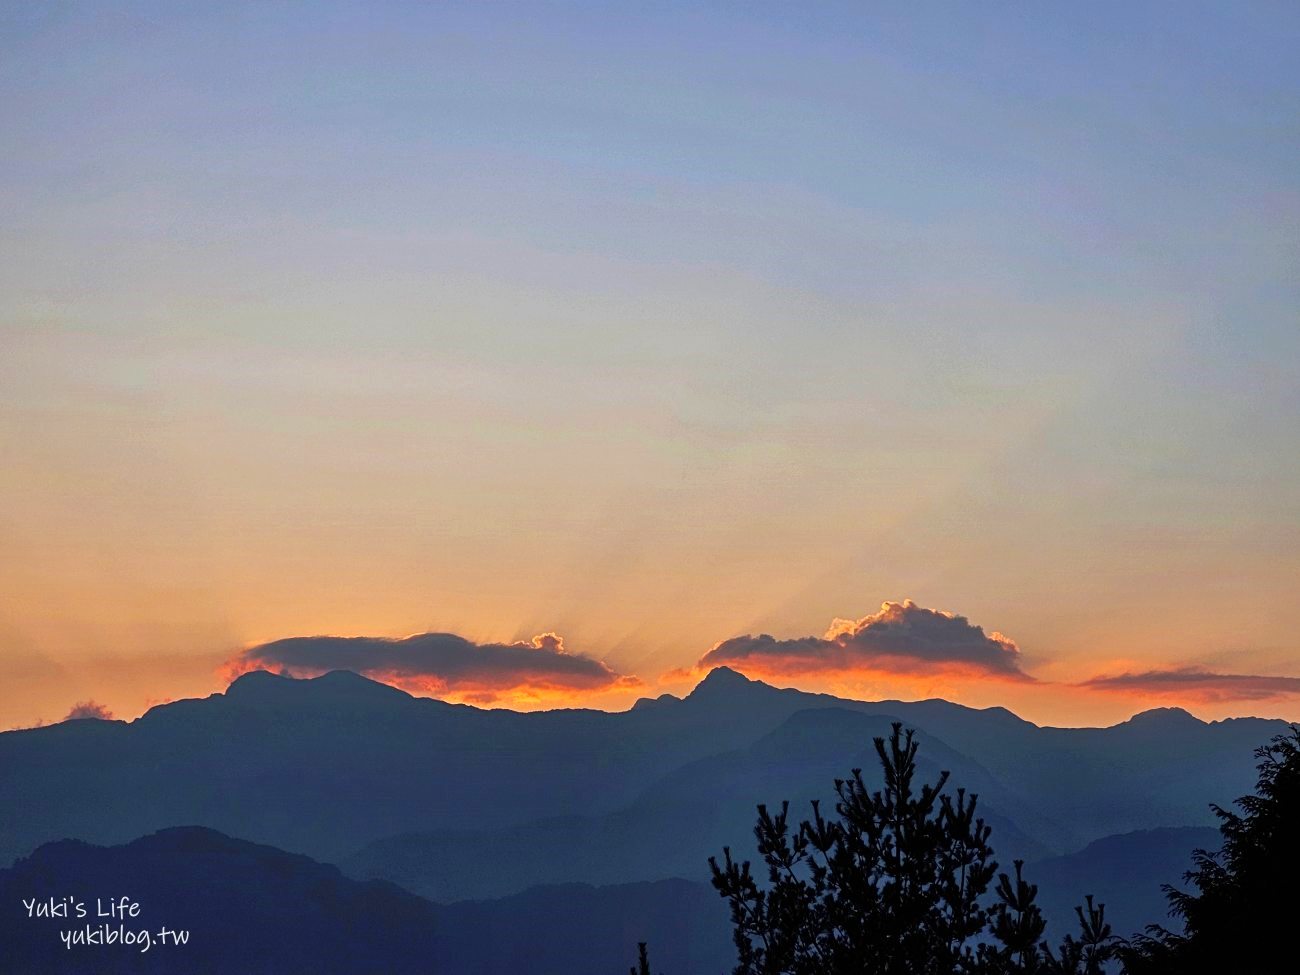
(254, 909)
(496, 818)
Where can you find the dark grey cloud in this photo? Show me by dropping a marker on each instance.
(902, 637)
(1198, 684)
(438, 663)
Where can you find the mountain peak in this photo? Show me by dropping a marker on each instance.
(1164, 716)
(720, 681)
(663, 700)
(261, 687)
(350, 678)
(255, 682)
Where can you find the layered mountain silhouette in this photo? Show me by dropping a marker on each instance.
(1124, 872)
(325, 766)
(578, 929)
(455, 802)
(673, 827)
(252, 909)
(537, 930)
(241, 907)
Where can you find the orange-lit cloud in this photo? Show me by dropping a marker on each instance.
(89, 709)
(902, 638)
(443, 664)
(1195, 684)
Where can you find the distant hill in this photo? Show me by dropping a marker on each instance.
(673, 827)
(247, 908)
(254, 910)
(577, 929)
(585, 930)
(1123, 872)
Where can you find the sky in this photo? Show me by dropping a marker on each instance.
(597, 342)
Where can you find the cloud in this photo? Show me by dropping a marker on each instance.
(89, 709)
(1193, 683)
(901, 638)
(439, 663)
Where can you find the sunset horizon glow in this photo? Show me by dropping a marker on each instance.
(527, 677)
(658, 334)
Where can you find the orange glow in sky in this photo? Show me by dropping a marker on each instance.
(652, 326)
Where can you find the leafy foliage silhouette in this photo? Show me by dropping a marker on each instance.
(1240, 917)
(895, 884)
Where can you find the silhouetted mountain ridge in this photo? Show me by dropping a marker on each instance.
(327, 765)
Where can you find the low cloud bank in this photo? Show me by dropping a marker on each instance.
(439, 663)
(1196, 684)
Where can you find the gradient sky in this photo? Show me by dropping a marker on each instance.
(650, 325)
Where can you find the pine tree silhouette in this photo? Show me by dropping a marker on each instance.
(896, 884)
(1094, 948)
(642, 967)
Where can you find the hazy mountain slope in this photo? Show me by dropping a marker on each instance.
(1161, 768)
(679, 822)
(578, 929)
(256, 910)
(247, 908)
(251, 908)
(321, 766)
(1123, 872)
